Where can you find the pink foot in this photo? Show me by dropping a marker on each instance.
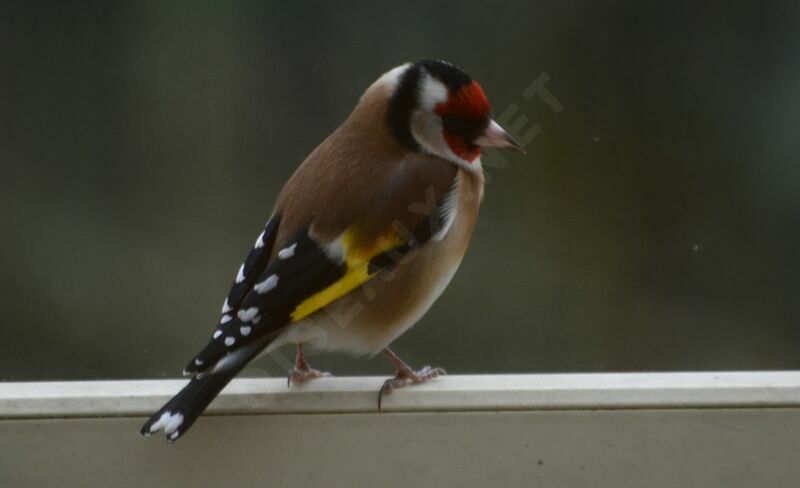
(406, 377)
(299, 376)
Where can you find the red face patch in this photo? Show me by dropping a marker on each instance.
(470, 106)
(469, 102)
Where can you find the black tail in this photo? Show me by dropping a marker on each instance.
(178, 414)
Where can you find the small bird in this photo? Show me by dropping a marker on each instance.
(362, 239)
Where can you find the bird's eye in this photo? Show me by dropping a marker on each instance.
(469, 129)
(454, 123)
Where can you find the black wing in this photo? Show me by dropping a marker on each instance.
(247, 275)
(299, 270)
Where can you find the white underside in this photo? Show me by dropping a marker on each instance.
(338, 328)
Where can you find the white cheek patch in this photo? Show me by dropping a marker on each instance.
(427, 131)
(432, 93)
(426, 126)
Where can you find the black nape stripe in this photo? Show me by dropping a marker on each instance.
(402, 105)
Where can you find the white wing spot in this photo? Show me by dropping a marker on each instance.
(240, 274)
(175, 421)
(245, 330)
(335, 249)
(287, 252)
(248, 314)
(447, 210)
(257, 320)
(168, 421)
(266, 285)
(260, 241)
(225, 319)
(198, 362)
(217, 333)
(230, 340)
(226, 307)
(161, 422)
(174, 435)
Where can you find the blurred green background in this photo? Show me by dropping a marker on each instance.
(653, 224)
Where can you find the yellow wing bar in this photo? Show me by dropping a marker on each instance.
(357, 254)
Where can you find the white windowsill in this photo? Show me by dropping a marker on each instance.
(708, 429)
(451, 393)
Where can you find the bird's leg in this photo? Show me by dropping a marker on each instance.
(302, 372)
(404, 375)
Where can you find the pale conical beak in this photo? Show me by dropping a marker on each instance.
(496, 136)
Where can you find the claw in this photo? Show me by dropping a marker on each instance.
(302, 372)
(406, 376)
(299, 376)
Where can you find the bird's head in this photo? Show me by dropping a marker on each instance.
(437, 108)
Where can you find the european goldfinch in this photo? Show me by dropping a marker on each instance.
(363, 238)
